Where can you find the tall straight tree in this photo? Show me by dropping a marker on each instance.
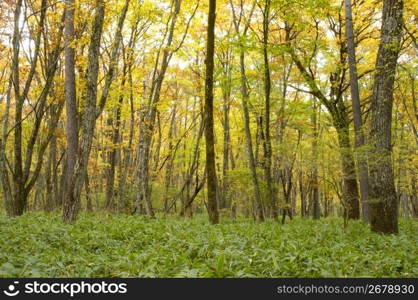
(267, 92)
(316, 208)
(209, 130)
(355, 103)
(383, 199)
(70, 90)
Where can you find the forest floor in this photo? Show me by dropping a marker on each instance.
(40, 245)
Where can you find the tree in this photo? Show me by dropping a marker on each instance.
(316, 208)
(209, 130)
(355, 103)
(267, 93)
(383, 199)
(70, 93)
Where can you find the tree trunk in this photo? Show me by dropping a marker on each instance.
(350, 187)
(70, 96)
(112, 154)
(226, 85)
(50, 172)
(267, 90)
(170, 157)
(355, 102)
(304, 192)
(226, 145)
(251, 160)
(383, 199)
(316, 209)
(4, 176)
(208, 117)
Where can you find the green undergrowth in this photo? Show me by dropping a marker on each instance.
(40, 245)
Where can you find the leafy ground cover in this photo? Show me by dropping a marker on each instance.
(40, 245)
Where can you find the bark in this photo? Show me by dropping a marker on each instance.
(226, 87)
(316, 209)
(70, 93)
(286, 177)
(383, 199)
(89, 204)
(267, 91)
(193, 168)
(413, 196)
(5, 181)
(304, 192)
(115, 123)
(350, 187)
(170, 158)
(287, 184)
(50, 173)
(208, 117)
(226, 146)
(127, 161)
(355, 102)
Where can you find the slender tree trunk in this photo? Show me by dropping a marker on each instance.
(316, 209)
(350, 187)
(89, 204)
(413, 196)
(383, 199)
(112, 154)
(170, 158)
(226, 94)
(250, 152)
(226, 145)
(304, 193)
(267, 90)
(16, 206)
(50, 165)
(126, 164)
(209, 126)
(70, 97)
(4, 176)
(355, 102)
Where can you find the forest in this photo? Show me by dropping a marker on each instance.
(209, 138)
